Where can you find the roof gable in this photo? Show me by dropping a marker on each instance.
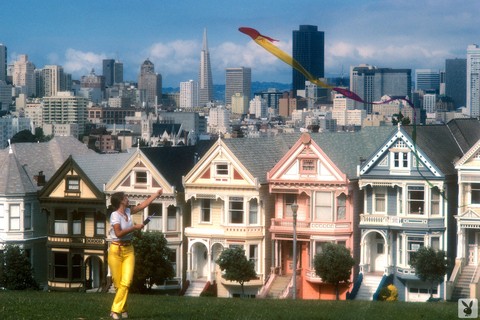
(306, 161)
(471, 157)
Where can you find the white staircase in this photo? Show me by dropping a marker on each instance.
(368, 287)
(462, 288)
(195, 288)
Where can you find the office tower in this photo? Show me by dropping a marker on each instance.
(371, 83)
(92, 87)
(5, 96)
(188, 94)
(473, 80)
(258, 107)
(430, 103)
(3, 63)
(109, 71)
(149, 84)
(427, 80)
(24, 76)
(309, 50)
(205, 82)
(456, 81)
(271, 96)
(118, 72)
(218, 120)
(65, 108)
(238, 80)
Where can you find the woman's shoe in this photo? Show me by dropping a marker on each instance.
(114, 315)
(125, 315)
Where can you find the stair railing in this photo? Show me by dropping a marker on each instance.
(452, 282)
(356, 286)
(474, 287)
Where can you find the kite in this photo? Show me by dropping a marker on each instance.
(267, 43)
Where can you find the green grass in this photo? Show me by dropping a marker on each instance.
(17, 305)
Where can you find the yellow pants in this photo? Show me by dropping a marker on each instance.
(121, 260)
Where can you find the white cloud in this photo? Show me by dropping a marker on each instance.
(80, 63)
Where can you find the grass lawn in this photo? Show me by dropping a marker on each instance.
(17, 305)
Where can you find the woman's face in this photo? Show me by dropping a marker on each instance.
(125, 201)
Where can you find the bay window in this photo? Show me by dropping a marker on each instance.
(205, 205)
(475, 193)
(253, 212)
(413, 244)
(14, 221)
(323, 206)
(236, 210)
(416, 200)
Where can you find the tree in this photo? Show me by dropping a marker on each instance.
(399, 118)
(17, 273)
(236, 266)
(430, 265)
(23, 136)
(334, 265)
(152, 263)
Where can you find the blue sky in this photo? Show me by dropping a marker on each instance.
(390, 33)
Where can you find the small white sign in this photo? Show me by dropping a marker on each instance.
(468, 308)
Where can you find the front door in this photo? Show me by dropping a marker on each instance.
(473, 240)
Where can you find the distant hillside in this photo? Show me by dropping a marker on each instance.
(219, 89)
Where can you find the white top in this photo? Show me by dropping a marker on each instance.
(118, 218)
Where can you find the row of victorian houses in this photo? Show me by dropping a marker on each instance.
(383, 192)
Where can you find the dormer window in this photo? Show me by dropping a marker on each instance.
(400, 160)
(73, 184)
(400, 156)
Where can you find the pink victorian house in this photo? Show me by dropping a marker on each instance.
(319, 173)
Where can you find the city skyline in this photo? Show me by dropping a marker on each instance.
(78, 36)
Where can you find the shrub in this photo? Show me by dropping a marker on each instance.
(388, 293)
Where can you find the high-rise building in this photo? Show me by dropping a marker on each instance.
(24, 76)
(473, 80)
(238, 80)
(108, 71)
(427, 80)
(52, 78)
(218, 120)
(118, 72)
(149, 84)
(205, 82)
(371, 84)
(112, 71)
(3, 62)
(309, 50)
(65, 108)
(188, 94)
(456, 81)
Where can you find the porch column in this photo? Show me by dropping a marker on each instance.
(461, 248)
(189, 264)
(210, 271)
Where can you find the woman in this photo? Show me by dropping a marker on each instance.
(121, 257)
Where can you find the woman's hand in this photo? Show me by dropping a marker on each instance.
(159, 192)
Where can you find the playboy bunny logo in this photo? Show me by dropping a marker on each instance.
(468, 308)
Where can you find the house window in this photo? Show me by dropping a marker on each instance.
(77, 219)
(341, 207)
(435, 201)
(236, 210)
(60, 265)
(413, 244)
(155, 221)
(221, 169)
(400, 249)
(61, 221)
(27, 216)
(289, 200)
(308, 165)
(435, 243)
(172, 218)
(253, 212)
(14, 223)
(323, 206)
(205, 210)
(380, 200)
(2, 217)
(416, 200)
(172, 257)
(400, 160)
(141, 177)
(253, 256)
(99, 224)
(76, 267)
(73, 184)
(475, 193)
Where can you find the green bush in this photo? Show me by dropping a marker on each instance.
(388, 293)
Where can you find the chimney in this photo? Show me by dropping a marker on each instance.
(40, 178)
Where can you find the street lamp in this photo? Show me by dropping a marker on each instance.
(294, 211)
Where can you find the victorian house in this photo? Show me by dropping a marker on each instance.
(149, 169)
(410, 199)
(25, 168)
(464, 281)
(73, 202)
(318, 175)
(231, 206)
